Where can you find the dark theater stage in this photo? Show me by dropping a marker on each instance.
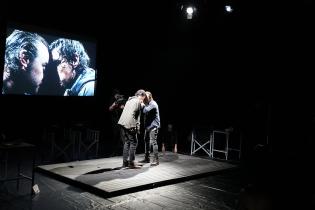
(106, 178)
(238, 65)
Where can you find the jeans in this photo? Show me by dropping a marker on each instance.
(150, 139)
(130, 144)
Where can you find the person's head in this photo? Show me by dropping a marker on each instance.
(26, 57)
(119, 99)
(141, 95)
(169, 127)
(115, 92)
(70, 58)
(149, 96)
(118, 96)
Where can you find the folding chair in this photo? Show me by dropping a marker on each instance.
(221, 139)
(47, 142)
(235, 145)
(91, 141)
(201, 141)
(63, 146)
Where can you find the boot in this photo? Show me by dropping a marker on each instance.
(156, 161)
(146, 159)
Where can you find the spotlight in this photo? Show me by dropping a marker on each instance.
(189, 11)
(228, 8)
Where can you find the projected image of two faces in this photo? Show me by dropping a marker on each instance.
(39, 64)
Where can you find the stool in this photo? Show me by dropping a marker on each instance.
(15, 149)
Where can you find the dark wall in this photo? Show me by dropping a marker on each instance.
(219, 69)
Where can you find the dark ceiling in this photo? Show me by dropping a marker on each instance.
(217, 66)
(247, 54)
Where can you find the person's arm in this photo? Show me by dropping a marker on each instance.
(142, 105)
(148, 107)
(112, 107)
(138, 119)
(136, 115)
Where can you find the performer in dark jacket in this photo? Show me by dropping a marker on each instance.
(152, 125)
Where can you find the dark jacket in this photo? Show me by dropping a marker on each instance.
(152, 115)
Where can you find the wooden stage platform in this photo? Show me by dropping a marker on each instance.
(106, 178)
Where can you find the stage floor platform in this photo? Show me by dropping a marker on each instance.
(106, 178)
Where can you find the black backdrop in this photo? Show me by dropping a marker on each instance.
(219, 69)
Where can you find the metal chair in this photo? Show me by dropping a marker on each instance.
(217, 140)
(64, 145)
(201, 140)
(227, 140)
(235, 144)
(60, 139)
(87, 144)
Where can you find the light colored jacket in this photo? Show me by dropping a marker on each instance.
(130, 117)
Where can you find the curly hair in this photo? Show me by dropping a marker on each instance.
(69, 49)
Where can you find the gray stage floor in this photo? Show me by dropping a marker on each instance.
(106, 177)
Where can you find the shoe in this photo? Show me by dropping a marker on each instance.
(156, 161)
(134, 165)
(125, 163)
(145, 160)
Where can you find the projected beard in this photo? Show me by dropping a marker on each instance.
(33, 71)
(28, 82)
(34, 76)
(66, 70)
(66, 74)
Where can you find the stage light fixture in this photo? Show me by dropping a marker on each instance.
(190, 11)
(228, 8)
